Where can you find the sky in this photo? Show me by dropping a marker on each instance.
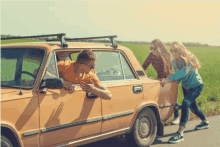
(185, 21)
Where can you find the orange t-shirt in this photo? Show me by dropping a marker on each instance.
(66, 71)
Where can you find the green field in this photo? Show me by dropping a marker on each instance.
(209, 100)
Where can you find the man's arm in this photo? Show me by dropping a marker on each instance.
(102, 92)
(99, 90)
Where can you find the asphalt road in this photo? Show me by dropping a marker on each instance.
(193, 138)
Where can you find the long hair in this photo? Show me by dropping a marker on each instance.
(164, 54)
(186, 55)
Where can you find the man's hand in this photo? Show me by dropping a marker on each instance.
(68, 86)
(87, 87)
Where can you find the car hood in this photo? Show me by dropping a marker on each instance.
(8, 93)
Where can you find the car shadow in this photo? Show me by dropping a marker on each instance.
(119, 142)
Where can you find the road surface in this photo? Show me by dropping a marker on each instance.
(193, 138)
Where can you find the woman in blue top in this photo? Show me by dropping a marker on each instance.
(186, 67)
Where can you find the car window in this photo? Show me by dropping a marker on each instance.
(112, 66)
(127, 72)
(52, 70)
(20, 65)
(74, 56)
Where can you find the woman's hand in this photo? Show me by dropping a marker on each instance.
(164, 81)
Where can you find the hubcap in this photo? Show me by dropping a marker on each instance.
(5, 144)
(145, 126)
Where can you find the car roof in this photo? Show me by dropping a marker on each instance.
(56, 45)
(49, 46)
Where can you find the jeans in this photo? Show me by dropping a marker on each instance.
(176, 112)
(189, 102)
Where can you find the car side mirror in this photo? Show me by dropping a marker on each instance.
(56, 83)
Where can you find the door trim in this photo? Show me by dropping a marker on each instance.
(166, 105)
(118, 114)
(89, 138)
(48, 129)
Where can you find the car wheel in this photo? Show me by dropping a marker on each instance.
(5, 142)
(144, 130)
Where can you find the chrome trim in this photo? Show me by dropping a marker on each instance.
(71, 124)
(166, 105)
(25, 134)
(117, 114)
(78, 141)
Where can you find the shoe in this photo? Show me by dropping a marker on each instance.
(177, 107)
(176, 138)
(202, 125)
(175, 121)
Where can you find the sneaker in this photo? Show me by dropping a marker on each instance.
(176, 138)
(175, 121)
(202, 125)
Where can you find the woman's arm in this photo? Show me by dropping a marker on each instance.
(180, 73)
(147, 62)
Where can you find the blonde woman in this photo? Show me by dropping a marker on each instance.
(186, 69)
(160, 59)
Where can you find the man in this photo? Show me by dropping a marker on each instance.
(81, 71)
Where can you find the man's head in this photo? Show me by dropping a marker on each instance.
(87, 58)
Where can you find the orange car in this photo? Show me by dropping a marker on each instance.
(37, 111)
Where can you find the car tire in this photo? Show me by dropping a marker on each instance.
(5, 142)
(144, 129)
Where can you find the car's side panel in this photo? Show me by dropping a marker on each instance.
(68, 116)
(164, 97)
(22, 114)
(155, 95)
(167, 100)
(118, 112)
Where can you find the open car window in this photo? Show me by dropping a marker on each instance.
(20, 66)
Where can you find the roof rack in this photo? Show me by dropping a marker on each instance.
(114, 45)
(60, 37)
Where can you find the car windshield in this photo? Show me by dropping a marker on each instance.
(19, 67)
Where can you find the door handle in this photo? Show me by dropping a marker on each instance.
(137, 88)
(91, 95)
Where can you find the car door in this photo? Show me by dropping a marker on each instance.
(66, 116)
(116, 74)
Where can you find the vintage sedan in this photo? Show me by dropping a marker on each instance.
(37, 111)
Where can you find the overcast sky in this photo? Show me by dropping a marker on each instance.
(186, 21)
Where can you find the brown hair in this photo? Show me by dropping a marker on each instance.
(85, 55)
(164, 54)
(186, 55)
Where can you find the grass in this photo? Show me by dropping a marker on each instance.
(19, 40)
(209, 100)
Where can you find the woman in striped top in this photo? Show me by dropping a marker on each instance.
(160, 59)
